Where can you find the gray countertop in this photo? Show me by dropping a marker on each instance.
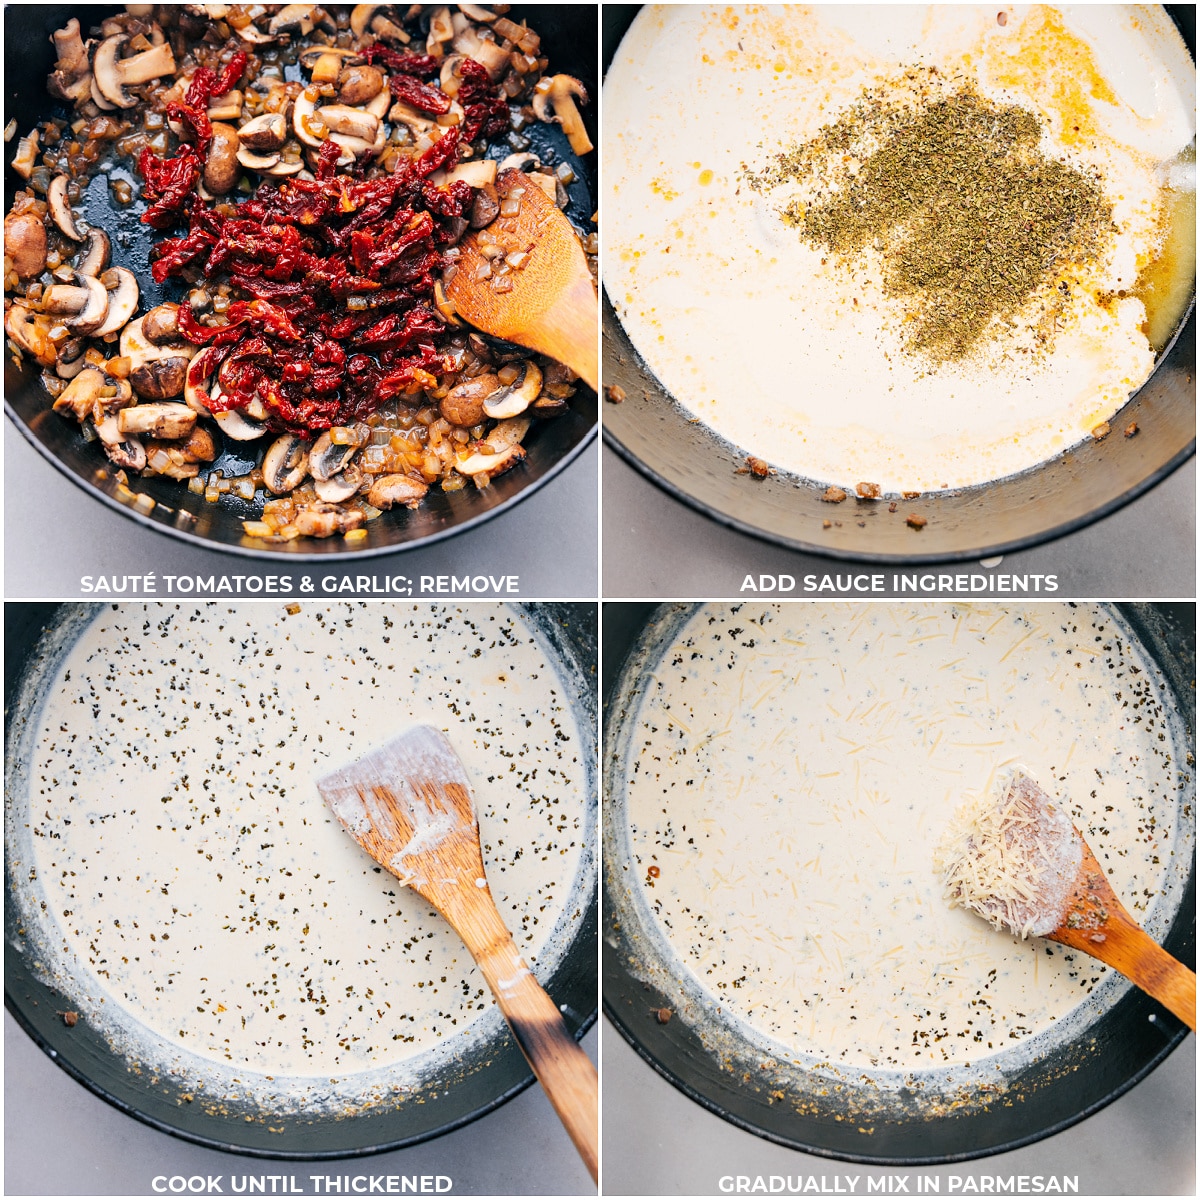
(656, 546)
(55, 534)
(60, 1140)
(657, 1142)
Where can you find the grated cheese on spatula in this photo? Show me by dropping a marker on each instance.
(1012, 857)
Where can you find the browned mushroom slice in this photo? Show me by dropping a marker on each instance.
(352, 122)
(483, 468)
(285, 464)
(238, 427)
(113, 73)
(328, 458)
(560, 92)
(71, 78)
(79, 396)
(517, 397)
(95, 311)
(158, 420)
(263, 134)
(29, 334)
(160, 378)
(122, 301)
(95, 255)
(463, 403)
(60, 208)
(396, 489)
(25, 243)
(323, 519)
(125, 452)
(160, 325)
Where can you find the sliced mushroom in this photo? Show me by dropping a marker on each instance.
(353, 122)
(490, 56)
(360, 83)
(25, 243)
(95, 311)
(304, 116)
(449, 79)
(29, 334)
(238, 427)
(161, 324)
(477, 14)
(441, 28)
(483, 468)
(327, 458)
(125, 452)
(404, 114)
(250, 33)
(285, 464)
(477, 174)
(257, 162)
(463, 403)
(26, 156)
(560, 93)
(113, 73)
(282, 168)
(518, 162)
(159, 420)
(65, 299)
(95, 256)
(221, 168)
(122, 301)
(71, 78)
(293, 17)
(326, 519)
(508, 433)
(136, 345)
(363, 17)
(264, 133)
(160, 378)
(378, 107)
(338, 488)
(181, 460)
(98, 96)
(396, 489)
(60, 208)
(227, 107)
(71, 358)
(79, 396)
(515, 399)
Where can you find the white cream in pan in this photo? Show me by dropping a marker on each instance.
(790, 770)
(787, 354)
(200, 900)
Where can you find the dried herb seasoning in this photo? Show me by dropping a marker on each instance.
(978, 230)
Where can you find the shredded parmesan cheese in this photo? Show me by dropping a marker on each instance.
(1011, 857)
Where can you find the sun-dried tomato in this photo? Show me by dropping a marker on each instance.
(419, 95)
(484, 106)
(422, 65)
(169, 184)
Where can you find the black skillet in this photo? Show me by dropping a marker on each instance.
(657, 437)
(478, 1082)
(568, 34)
(1119, 1049)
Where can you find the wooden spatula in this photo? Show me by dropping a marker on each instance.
(552, 306)
(408, 805)
(1064, 897)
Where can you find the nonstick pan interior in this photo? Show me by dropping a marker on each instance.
(654, 434)
(478, 1081)
(1119, 1049)
(569, 37)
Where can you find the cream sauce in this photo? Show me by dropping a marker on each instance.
(790, 769)
(795, 358)
(202, 902)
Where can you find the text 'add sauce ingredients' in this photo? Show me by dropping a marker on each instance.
(919, 246)
(786, 773)
(191, 892)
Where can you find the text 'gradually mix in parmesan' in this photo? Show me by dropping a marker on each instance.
(923, 247)
(779, 784)
(185, 886)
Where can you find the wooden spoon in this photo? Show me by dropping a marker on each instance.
(408, 805)
(1060, 890)
(552, 305)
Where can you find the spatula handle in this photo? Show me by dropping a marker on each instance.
(563, 1069)
(1128, 948)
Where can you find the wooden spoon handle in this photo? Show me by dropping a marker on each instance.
(560, 1063)
(568, 332)
(1128, 948)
